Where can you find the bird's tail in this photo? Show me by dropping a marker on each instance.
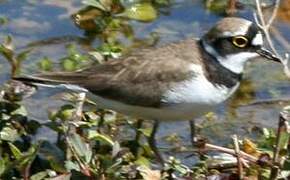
(67, 80)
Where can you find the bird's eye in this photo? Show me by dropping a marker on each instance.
(240, 41)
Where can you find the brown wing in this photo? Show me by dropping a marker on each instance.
(139, 79)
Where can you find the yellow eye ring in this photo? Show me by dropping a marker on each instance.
(240, 41)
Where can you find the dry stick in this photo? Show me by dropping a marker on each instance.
(239, 159)
(286, 45)
(260, 20)
(72, 130)
(275, 169)
(222, 166)
(243, 155)
(79, 107)
(267, 102)
(283, 126)
(231, 9)
(77, 116)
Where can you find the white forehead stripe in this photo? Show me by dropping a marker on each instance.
(243, 29)
(258, 39)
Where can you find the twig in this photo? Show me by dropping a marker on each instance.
(26, 172)
(78, 113)
(268, 102)
(71, 129)
(260, 20)
(231, 9)
(80, 162)
(79, 106)
(265, 26)
(243, 155)
(282, 127)
(239, 159)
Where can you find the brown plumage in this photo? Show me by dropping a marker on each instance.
(136, 79)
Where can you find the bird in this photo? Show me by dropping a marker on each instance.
(181, 80)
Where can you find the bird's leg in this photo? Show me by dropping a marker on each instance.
(197, 141)
(192, 132)
(136, 145)
(152, 142)
(138, 132)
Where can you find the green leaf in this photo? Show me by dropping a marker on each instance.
(109, 117)
(217, 6)
(2, 166)
(9, 134)
(142, 161)
(3, 20)
(45, 64)
(107, 4)
(146, 131)
(69, 165)
(266, 132)
(82, 148)
(66, 176)
(8, 43)
(162, 2)
(265, 173)
(286, 109)
(7, 53)
(284, 140)
(28, 157)
(66, 112)
(69, 65)
(54, 155)
(104, 5)
(286, 165)
(9, 107)
(140, 12)
(15, 151)
(23, 55)
(39, 176)
(93, 134)
(116, 149)
(20, 111)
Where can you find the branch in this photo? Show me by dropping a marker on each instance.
(77, 114)
(265, 26)
(71, 129)
(243, 155)
(282, 133)
(239, 159)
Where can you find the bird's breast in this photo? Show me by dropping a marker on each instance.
(198, 90)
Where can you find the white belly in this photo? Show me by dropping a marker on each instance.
(168, 113)
(185, 107)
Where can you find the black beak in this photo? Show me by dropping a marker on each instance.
(267, 54)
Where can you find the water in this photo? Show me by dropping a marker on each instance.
(47, 27)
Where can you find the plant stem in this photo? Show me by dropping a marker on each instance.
(239, 159)
(282, 127)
